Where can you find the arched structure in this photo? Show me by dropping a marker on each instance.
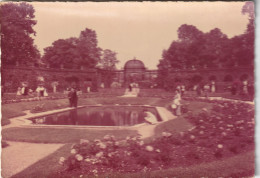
(134, 70)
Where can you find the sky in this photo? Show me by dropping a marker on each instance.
(134, 29)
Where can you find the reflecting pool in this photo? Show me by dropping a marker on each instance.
(99, 116)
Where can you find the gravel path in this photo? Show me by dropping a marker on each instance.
(19, 155)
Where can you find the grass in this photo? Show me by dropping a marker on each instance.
(180, 124)
(47, 167)
(58, 135)
(16, 109)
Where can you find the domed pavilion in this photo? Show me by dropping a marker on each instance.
(134, 70)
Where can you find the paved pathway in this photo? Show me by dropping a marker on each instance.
(19, 155)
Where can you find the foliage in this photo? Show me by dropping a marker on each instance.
(17, 21)
(74, 52)
(196, 50)
(108, 60)
(230, 127)
(108, 63)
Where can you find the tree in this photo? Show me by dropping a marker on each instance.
(17, 21)
(62, 52)
(89, 52)
(108, 64)
(189, 33)
(242, 52)
(249, 37)
(108, 60)
(74, 52)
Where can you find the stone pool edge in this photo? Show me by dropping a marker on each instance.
(23, 121)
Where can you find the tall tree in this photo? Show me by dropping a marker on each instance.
(108, 60)
(249, 37)
(242, 52)
(74, 52)
(17, 21)
(88, 48)
(63, 52)
(108, 64)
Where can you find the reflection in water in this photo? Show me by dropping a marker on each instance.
(98, 116)
(74, 116)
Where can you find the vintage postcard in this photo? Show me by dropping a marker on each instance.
(127, 89)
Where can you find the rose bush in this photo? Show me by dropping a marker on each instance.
(226, 130)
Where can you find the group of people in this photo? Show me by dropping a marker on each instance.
(205, 89)
(243, 88)
(24, 90)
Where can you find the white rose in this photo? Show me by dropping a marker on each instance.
(97, 140)
(220, 146)
(83, 141)
(102, 146)
(61, 161)
(87, 160)
(79, 157)
(192, 137)
(107, 137)
(73, 151)
(99, 154)
(141, 143)
(149, 148)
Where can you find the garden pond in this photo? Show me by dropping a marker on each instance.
(99, 116)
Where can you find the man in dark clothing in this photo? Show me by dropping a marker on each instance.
(73, 97)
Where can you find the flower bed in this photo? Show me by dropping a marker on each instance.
(225, 131)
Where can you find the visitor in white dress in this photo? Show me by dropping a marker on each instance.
(213, 87)
(19, 91)
(176, 106)
(41, 91)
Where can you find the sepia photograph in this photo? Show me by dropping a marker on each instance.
(127, 89)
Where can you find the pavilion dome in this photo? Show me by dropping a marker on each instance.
(134, 64)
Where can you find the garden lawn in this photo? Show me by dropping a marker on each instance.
(180, 124)
(44, 167)
(16, 109)
(60, 135)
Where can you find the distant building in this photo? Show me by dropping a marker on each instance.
(134, 71)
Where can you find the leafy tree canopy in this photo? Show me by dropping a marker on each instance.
(74, 52)
(108, 60)
(17, 21)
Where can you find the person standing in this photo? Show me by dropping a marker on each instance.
(182, 90)
(73, 97)
(40, 91)
(198, 89)
(213, 87)
(177, 103)
(206, 90)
